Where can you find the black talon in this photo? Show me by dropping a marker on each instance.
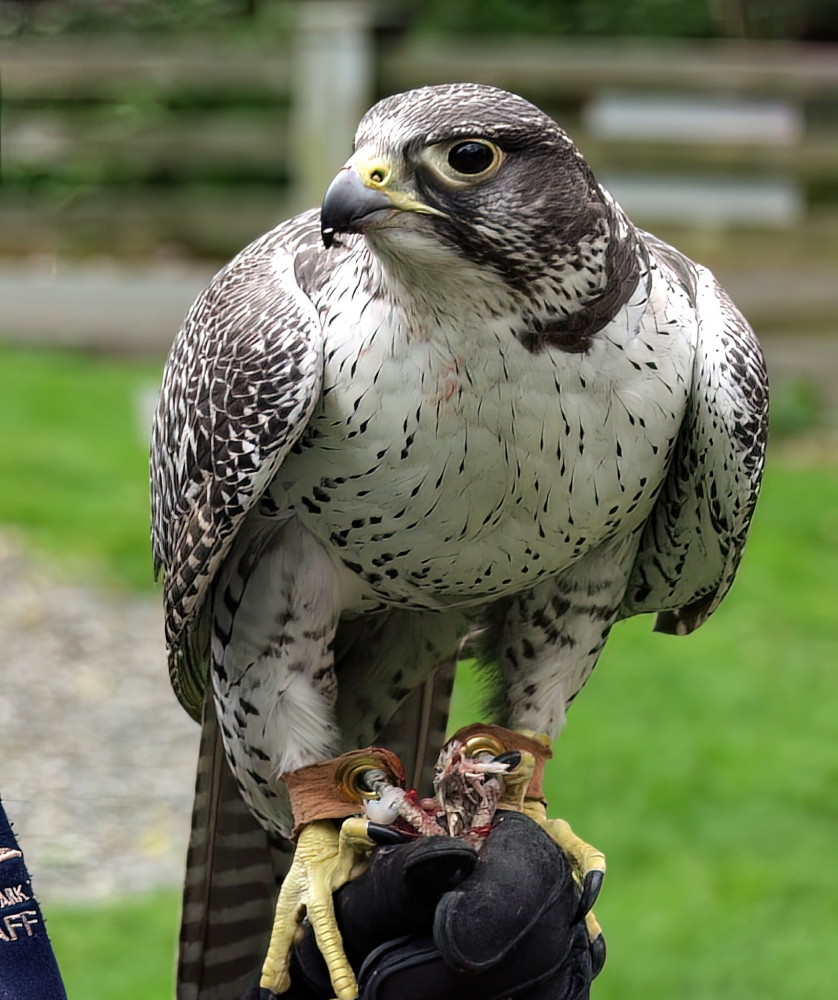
(385, 836)
(511, 757)
(590, 892)
(597, 955)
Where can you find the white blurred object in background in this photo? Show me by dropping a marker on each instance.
(332, 86)
(698, 119)
(708, 202)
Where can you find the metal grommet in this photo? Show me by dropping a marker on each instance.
(482, 743)
(349, 777)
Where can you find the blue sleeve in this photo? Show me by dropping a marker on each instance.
(28, 970)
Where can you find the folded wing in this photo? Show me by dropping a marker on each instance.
(693, 542)
(241, 382)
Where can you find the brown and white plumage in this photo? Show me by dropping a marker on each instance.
(241, 381)
(493, 401)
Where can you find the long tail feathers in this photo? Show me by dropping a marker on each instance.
(417, 730)
(232, 878)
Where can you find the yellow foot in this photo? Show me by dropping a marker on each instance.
(587, 862)
(588, 865)
(323, 861)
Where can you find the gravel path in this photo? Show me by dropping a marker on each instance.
(97, 759)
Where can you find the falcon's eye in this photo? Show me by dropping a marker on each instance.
(471, 157)
(463, 162)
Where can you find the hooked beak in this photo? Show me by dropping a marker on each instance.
(362, 189)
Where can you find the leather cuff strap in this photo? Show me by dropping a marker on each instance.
(509, 739)
(317, 791)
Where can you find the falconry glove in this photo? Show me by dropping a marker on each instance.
(436, 918)
(523, 791)
(503, 904)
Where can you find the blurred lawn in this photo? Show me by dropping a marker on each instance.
(706, 768)
(123, 950)
(74, 457)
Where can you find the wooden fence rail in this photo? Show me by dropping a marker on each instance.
(579, 67)
(121, 69)
(105, 69)
(99, 116)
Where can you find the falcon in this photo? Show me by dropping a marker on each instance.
(467, 404)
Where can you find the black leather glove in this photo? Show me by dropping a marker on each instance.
(435, 918)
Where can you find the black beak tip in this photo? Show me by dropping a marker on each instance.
(347, 206)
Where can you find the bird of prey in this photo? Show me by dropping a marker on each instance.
(468, 397)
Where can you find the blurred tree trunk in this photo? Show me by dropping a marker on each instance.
(332, 86)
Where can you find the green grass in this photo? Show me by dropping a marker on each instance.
(74, 458)
(705, 767)
(122, 950)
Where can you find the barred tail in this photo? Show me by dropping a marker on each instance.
(232, 878)
(417, 730)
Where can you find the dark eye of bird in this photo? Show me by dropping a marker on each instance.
(471, 157)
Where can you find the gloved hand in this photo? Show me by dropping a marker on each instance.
(524, 793)
(435, 918)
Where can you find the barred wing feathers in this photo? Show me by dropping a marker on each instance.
(241, 382)
(693, 542)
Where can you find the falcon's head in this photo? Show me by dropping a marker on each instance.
(476, 174)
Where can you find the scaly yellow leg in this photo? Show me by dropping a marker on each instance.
(587, 862)
(323, 861)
